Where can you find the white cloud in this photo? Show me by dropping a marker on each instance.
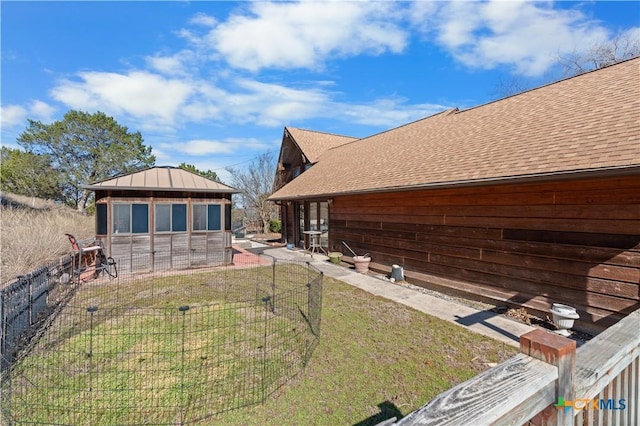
(41, 111)
(139, 93)
(208, 147)
(178, 64)
(387, 113)
(528, 36)
(303, 35)
(203, 19)
(203, 147)
(16, 115)
(152, 103)
(12, 115)
(189, 86)
(272, 104)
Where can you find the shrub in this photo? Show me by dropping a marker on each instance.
(275, 225)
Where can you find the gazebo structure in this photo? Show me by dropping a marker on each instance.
(164, 218)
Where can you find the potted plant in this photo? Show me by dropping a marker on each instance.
(335, 257)
(362, 263)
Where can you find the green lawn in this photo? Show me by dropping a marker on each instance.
(374, 355)
(375, 358)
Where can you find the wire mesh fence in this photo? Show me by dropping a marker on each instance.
(165, 347)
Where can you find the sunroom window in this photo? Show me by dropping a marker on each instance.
(130, 218)
(207, 217)
(171, 217)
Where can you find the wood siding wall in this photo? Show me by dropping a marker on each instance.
(574, 242)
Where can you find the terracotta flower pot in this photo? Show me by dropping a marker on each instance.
(361, 263)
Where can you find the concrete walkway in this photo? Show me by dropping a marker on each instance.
(487, 323)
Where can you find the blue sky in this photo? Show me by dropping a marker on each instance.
(214, 83)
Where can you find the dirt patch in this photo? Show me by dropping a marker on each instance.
(272, 239)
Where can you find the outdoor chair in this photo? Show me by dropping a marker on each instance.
(89, 260)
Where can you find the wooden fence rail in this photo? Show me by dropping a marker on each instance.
(607, 369)
(549, 383)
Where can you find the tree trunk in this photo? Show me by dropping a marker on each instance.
(82, 202)
(264, 218)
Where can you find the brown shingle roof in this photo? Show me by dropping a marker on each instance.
(586, 123)
(314, 144)
(162, 179)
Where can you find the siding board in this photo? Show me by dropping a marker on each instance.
(514, 211)
(572, 242)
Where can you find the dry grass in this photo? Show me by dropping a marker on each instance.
(32, 233)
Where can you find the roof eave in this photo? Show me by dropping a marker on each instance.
(142, 188)
(500, 180)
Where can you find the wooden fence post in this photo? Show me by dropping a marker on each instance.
(561, 352)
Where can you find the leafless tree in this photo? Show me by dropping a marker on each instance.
(624, 46)
(509, 87)
(256, 185)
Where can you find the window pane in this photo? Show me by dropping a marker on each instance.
(199, 217)
(213, 217)
(313, 216)
(140, 223)
(301, 217)
(179, 212)
(121, 218)
(101, 219)
(227, 217)
(324, 224)
(163, 217)
(324, 216)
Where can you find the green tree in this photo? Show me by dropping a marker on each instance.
(256, 185)
(29, 174)
(209, 174)
(85, 148)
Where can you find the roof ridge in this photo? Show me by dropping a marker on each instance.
(321, 132)
(551, 83)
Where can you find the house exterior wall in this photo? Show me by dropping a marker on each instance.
(166, 250)
(574, 242)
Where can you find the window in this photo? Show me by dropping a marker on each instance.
(199, 217)
(179, 217)
(163, 217)
(227, 217)
(213, 217)
(301, 224)
(101, 219)
(171, 217)
(121, 218)
(207, 217)
(130, 218)
(313, 217)
(319, 216)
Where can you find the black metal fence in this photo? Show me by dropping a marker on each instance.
(28, 301)
(163, 347)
